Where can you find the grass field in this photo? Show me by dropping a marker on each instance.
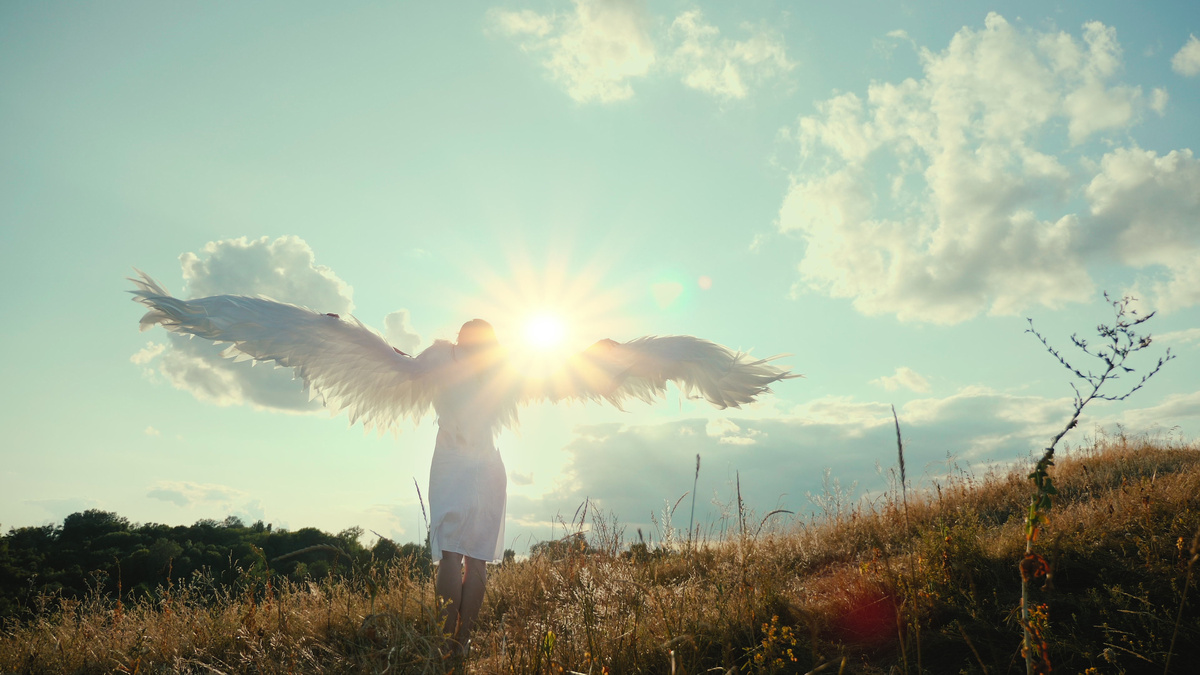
(867, 589)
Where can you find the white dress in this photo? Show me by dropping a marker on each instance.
(468, 490)
(468, 486)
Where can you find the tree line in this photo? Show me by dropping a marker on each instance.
(99, 551)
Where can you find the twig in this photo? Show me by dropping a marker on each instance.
(970, 644)
(692, 519)
(421, 500)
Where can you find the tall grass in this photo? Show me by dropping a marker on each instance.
(843, 593)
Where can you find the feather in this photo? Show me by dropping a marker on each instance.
(640, 369)
(339, 359)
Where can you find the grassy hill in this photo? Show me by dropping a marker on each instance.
(873, 588)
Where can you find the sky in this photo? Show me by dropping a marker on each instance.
(886, 193)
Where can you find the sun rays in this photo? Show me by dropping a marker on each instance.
(546, 307)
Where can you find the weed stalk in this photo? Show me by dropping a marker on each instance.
(1118, 342)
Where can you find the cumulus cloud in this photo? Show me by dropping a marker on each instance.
(185, 493)
(196, 366)
(597, 50)
(1186, 61)
(395, 521)
(723, 67)
(148, 353)
(593, 51)
(727, 431)
(1158, 100)
(1185, 336)
(904, 378)
(844, 411)
(975, 426)
(1172, 410)
(282, 269)
(1146, 208)
(398, 332)
(942, 197)
(208, 497)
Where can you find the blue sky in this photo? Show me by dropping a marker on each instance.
(886, 193)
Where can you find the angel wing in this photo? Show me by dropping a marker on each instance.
(339, 359)
(640, 369)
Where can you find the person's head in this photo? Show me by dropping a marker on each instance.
(477, 333)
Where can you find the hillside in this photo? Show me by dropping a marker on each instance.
(871, 590)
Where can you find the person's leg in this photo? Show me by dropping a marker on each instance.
(473, 583)
(449, 586)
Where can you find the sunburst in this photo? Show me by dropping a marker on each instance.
(545, 308)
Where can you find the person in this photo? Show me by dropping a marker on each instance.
(467, 480)
(472, 387)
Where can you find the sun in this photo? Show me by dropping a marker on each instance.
(549, 306)
(545, 331)
(544, 344)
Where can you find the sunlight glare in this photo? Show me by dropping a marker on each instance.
(545, 331)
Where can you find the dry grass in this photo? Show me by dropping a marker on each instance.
(842, 592)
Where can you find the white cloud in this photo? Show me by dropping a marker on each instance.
(989, 412)
(593, 51)
(1186, 61)
(523, 22)
(975, 426)
(398, 332)
(196, 366)
(1172, 410)
(1146, 210)
(213, 500)
(186, 493)
(1158, 100)
(148, 353)
(905, 378)
(1092, 106)
(632, 469)
(843, 411)
(395, 521)
(719, 66)
(1186, 336)
(282, 269)
(597, 50)
(720, 426)
(728, 432)
(941, 197)
(151, 431)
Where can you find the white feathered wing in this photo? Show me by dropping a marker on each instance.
(640, 369)
(349, 365)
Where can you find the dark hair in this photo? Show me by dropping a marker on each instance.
(477, 333)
